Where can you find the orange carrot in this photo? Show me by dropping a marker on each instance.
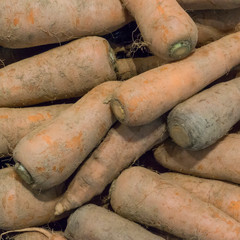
(34, 233)
(38, 23)
(223, 195)
(21, 207)
(63, 72)
(15, 123)
(143, 196)
(209, 4)
(166, 28)
(98, 223)
(48, 155)
(143, 98)
(201, 120)
(120, 148)
(219, 161)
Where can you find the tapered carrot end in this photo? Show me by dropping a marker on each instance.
(118, 110)
(23, 173)
(180, 50)
(180, 136)
(59, 209)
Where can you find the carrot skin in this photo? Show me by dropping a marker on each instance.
(51, 153)
(121, 147)
(143, 98)
(143, 196)
(218, 161)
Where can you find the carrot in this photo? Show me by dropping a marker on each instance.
(34, 233)
(209, 4)
(15, 123)
(201, 120)
(21, 207)
(31, 24)
(223, 195)
(98, 223)
(63, 72)
(67, 71)
(48, 155)
(141, 195)
(219, 161)
(120, 148)
(226, 20)
(166, 28)
(143, 98)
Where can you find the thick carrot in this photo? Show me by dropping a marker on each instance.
(222, 20)
(63, 72)
(223, 195)
(209, 4)
(98, 223)
(48, 155)
(201, 120)
(143, 98)
(120, 148)
(34, 233)
(167, 29)
(21, 207)
(219, 161)
(143, 196)
(15, 123)
(27, 24)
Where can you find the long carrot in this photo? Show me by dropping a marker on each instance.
(143, 196)
(27, 24)
(223, 195)
(121, 147)
(48, 155)
(15, 123)
(145, 97)
(219, 161)
(209, 4)
(201, 120)
(167, 29)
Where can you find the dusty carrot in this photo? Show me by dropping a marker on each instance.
(167, 29)
(48, 155)
(121, 147)
(143, 98)
(143, 196)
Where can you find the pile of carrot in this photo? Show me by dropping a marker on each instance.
(114, 133)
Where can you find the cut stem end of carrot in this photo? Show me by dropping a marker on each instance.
(59, 209)
(118, 110)
(23, 173)
(180, 136)
(180, 50)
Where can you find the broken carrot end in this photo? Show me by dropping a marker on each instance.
(180, 136)
(59, 209)
(118, 110)
(23, 173)
(180, 49)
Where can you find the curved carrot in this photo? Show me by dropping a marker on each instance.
(48, 155)
(166, 28)
(143, 196)
(27, 24)
(15, 123)
(145, 97)
(121, 147)
(219, 161)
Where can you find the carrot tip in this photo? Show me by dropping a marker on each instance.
(180, 49)
(59, 209)
(23, 173)
(180, 136)
(118, 110)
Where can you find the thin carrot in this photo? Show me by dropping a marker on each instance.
(48, 155)
(143, 98)
(167, 29)
(121, 147)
